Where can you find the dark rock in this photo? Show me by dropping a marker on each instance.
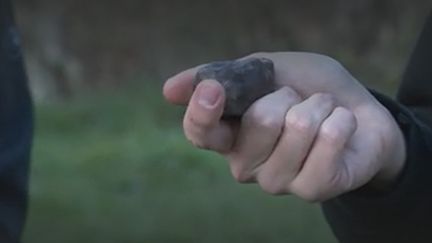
(244, 81)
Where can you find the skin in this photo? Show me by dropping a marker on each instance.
(319, 135)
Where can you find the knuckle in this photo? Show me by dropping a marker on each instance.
(262, 119)
(291, 94)
(268, 122)
(332, 134)
(298, 122)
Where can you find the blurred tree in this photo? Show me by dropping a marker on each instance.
(107, 42)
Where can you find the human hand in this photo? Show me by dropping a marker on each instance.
(321, 134)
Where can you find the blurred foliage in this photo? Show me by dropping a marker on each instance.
(115, 167)
(75, 44)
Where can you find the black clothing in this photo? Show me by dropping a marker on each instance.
(15, 130)
(403, 214)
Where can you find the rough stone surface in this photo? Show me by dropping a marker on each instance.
(244, 82)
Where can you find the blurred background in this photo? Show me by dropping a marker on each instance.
(110, 163)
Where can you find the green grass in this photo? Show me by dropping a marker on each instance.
(114, 167)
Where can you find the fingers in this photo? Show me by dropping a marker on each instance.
(202, 125)
(259, 132)
(325, 173)
(179, 88)
(302, 123)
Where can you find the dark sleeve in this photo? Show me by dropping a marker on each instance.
(15, 130)
(404, 213)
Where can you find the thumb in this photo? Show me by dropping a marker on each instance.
(207, 103)
(202, 124)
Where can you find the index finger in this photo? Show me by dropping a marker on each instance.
(179, 88)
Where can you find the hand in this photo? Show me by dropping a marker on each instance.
(321, 134)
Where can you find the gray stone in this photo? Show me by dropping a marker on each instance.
(244, 82)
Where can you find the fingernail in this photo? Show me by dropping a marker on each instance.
(208, 94)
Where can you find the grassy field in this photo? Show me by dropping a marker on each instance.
(114, 167)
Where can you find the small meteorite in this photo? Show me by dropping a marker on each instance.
(244, 81)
